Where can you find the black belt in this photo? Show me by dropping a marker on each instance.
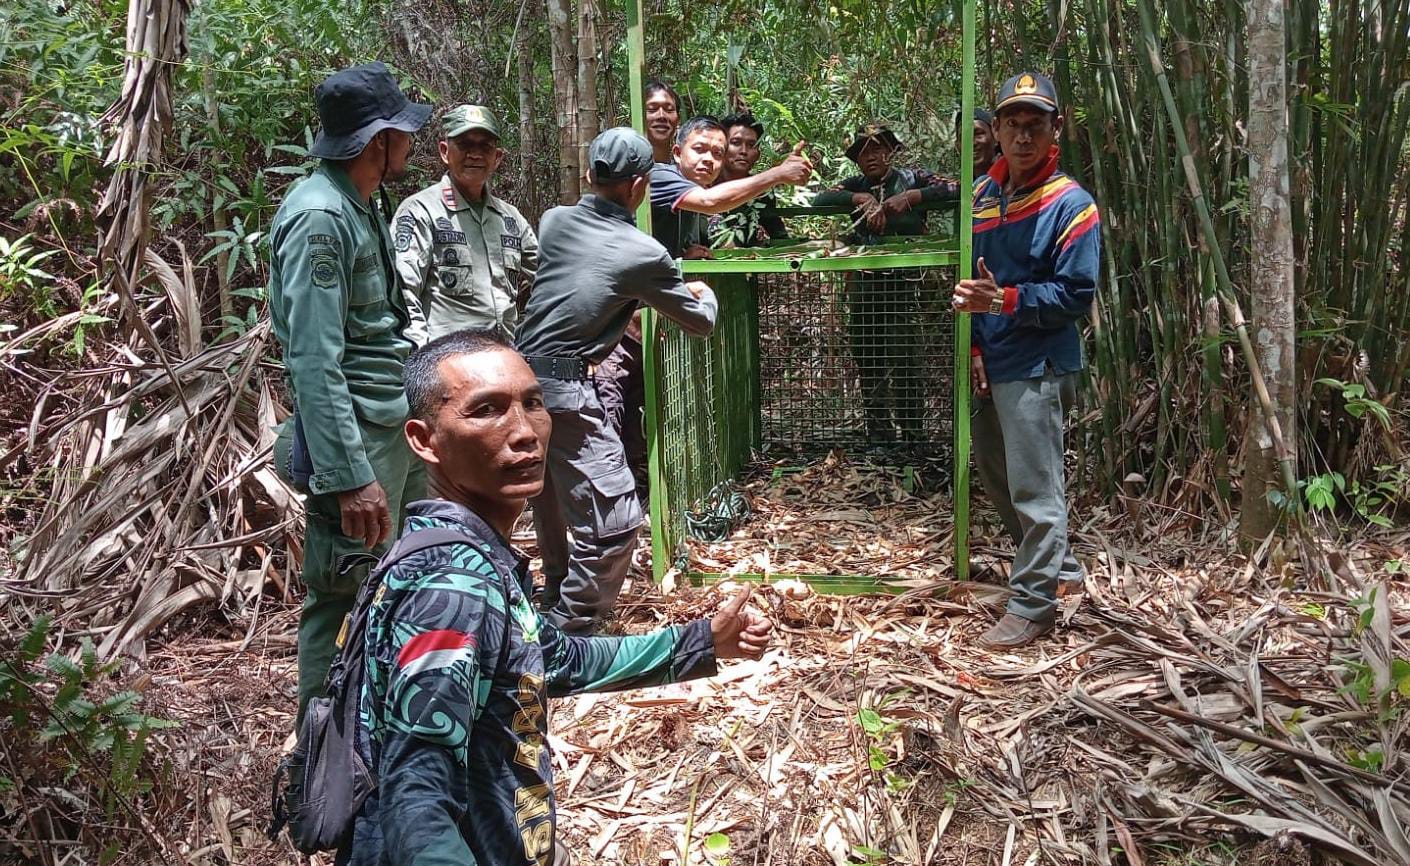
(556, 367)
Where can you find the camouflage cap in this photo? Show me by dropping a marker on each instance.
(618, 154)
(878, 133)
(463, 118)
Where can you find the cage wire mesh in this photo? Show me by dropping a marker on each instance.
(857, 360)
(800, 362)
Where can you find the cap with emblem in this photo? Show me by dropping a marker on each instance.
(878, 133)
(1028, 88)
(356, 104)
(619, 153)
(463, 118)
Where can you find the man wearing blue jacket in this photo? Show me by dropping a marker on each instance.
(1037, 249)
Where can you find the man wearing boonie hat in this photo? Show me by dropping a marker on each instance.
(595, 269)
(465, 255)
(340, 318)
(883, 308)
(1037, 251)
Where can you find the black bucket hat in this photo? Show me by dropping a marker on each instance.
(356, 104)
(872, 132)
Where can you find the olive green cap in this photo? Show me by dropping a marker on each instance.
(463, 118)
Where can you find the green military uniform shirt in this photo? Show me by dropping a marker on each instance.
(462, 264)
(338, 313)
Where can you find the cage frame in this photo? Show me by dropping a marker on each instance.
(959, 258)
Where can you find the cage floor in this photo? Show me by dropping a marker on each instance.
(845, 518)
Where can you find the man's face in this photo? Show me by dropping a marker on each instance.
(701, 156)
(983, 147)
(662, 118)
(489, 438)
(471, 158)
(398, 146)
(741, 150)
(1026, 134)
(875, 159)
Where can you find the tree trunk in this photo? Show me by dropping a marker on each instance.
(565, 96)
(587, 77)
(527, 139)
(1271, 262)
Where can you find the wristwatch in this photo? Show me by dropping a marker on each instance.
(996, 306)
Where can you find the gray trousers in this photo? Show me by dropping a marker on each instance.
(587, 517)
(1017, 441)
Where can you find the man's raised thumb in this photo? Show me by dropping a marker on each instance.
(736, 604)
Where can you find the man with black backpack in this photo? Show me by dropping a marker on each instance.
(457, 665)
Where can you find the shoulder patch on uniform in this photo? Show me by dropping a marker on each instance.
(323, 269)
(510, 225)
(441, 237)
(326, 240)
(443, 224)
(365, 263)
(451, 257)
(406, 228)
(511, 242)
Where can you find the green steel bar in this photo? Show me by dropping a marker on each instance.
(962, 323)
(846, 209)
(636, 76)
(823, 584)
(651, 347)
(824, 263)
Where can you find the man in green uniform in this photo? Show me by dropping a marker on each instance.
(338, 313)
(883, 306)
(465, 256)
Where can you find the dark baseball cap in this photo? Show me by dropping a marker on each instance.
(356, 104)
(619, 153)
(1028, 88)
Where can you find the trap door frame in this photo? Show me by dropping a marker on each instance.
(662, 545)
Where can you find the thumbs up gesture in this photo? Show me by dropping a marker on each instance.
(977, 294)
(740, 633)
(796, 168)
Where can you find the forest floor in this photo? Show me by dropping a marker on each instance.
(1189, 709)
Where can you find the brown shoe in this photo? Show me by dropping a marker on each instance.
(1014, 631)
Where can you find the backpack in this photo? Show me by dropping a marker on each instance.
(320, 786)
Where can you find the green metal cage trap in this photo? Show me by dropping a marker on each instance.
(812, 351)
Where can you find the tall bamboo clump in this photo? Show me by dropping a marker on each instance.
(1167, 383)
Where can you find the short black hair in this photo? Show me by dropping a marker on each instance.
(656, 85)
(745, 119)
(422, 374)
(696, 124)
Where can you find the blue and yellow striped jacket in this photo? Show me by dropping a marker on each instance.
(1043, 245)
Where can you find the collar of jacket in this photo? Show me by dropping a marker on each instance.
(335, 173)
(999, 171)
(593, 201)
(499, 548)
(450, 194)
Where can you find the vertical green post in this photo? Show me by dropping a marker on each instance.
(962, 323)
(651, 346)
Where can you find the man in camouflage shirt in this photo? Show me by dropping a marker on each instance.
(465, 256)
(459, 664)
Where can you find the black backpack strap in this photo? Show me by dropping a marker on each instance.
(414, 542)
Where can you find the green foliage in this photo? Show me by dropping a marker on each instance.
(65, 735)
(20, 274)
(1373, 499)
(717, 848)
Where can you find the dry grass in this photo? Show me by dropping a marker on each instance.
(1188, 707)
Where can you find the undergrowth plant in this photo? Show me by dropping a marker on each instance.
(75, 757)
